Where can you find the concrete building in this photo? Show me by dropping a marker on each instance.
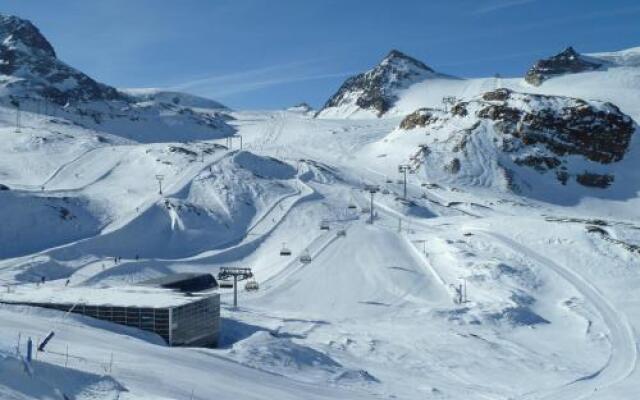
(181, 318)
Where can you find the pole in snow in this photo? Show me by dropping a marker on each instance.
(29, 349)
(159, 178)
(372, 189)
(235, 291)
(403, 168)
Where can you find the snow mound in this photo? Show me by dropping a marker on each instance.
(264, 167)
(265, 351)
(46, 381)
(214, 209)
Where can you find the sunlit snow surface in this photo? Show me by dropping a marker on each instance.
(552, 310)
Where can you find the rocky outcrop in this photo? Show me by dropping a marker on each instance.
(375, 90)
(419, 118)
(301, 107)
(595, 180)
(565, 126)
(570, 138)
(566, 62)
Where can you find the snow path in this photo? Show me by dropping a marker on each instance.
(623, 359)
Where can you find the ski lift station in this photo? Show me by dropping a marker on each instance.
(184, 309)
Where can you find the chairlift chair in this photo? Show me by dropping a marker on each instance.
(226, 285)
(305, 258)
(324, 225)
(341, 233)
(352, 206)
(285, 252)
(251, 285)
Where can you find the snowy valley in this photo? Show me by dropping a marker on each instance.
(484, 247)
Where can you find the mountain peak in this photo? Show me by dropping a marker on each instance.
(27, 55)
(398, 57)
(20, 34)
(375, 90)
(567, 61)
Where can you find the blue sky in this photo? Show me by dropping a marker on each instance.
(274, 53)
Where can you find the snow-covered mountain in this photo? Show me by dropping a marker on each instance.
(169, 97)
(507, 267)
(375, 92)
(570, 61)
(33, 78)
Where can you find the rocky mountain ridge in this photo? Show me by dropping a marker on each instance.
(567, 61)
(376, 89)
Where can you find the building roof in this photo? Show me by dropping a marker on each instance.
(122, 296)
(186, 282)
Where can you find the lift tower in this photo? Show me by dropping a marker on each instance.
(237, 274)
(372, 189)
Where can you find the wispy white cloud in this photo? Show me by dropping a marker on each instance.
(497, 5)
(246, 81)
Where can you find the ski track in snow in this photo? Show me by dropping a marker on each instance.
(623, 359)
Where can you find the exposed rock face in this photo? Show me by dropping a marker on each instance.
(565, 126)
(595, 180)
(419, 118)
(566, 62)
(376, 89)
(571, 137)
(26, 54)
(302, 107)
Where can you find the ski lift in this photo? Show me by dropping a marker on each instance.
(324, 225)
(305, 258)
(251, 285)
(352, 206)
(341, 233)
(226, 285)
(365, 210)
(389, 180)
(385, 191)
(285, 252)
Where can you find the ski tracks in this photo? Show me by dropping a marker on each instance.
(623, 359)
